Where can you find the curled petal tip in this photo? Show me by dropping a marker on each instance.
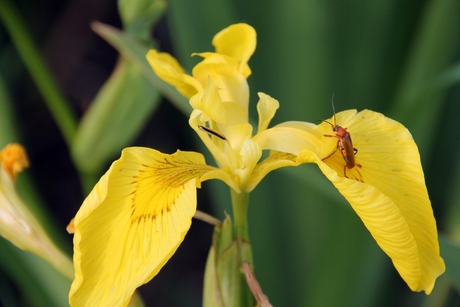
(14, 159)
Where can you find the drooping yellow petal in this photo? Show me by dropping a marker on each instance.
(169, 70)
(132, 222)
(387, 190)
(239, 42)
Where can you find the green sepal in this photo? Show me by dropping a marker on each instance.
(117, 114)
(140, 16)
(224, 281)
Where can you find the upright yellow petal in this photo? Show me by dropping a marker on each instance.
(239, 42)
(266, 108)
(387, 190)
(224, 73)
(132, 222)
(169, 70)
(250, 154)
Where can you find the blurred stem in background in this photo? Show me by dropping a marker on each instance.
(56, 101)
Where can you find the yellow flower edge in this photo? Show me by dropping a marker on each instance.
(239, 42)
(227, 66)
(387, 190)
(170, 71)
(132, 222)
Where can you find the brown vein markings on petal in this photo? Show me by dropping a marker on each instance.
(164, 181)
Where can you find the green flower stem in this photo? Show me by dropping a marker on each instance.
(240, 204)
(33, 61)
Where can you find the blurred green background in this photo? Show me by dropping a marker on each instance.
(400, 58)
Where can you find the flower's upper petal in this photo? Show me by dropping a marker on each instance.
(210, 103)
(391, 198)
(237, 134)
(224, 73)
(266, 107)
(239, 42)
(219, 149)
(250, 154)
(216, 146)
(132, 222)
(169, 70)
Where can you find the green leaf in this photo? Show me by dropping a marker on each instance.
(451, 255)
(419, 99)
(54, 98)
(38, 283)
(135, 52)
(8, 133)
(117, 114)
(449, 77)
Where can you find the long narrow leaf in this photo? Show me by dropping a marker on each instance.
(55, 100)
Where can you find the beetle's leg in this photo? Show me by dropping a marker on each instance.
(333, 152)
(358, 166)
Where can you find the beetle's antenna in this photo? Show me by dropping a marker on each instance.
(333, 108)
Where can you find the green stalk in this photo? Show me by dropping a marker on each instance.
(34, 63)
(240, 204)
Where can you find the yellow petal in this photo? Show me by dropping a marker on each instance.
(266, 108)
(286, 141)
(237, 41)
(132, 222)
(389, 193)
(274, 161)
(169, 70)
(222, 112)
(250, 154)
(224, 73)
(237, 134)
(217, 147)
(291, 137)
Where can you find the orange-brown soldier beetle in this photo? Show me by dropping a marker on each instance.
(344, 144)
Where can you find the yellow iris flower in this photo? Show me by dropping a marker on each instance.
(141, 209)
